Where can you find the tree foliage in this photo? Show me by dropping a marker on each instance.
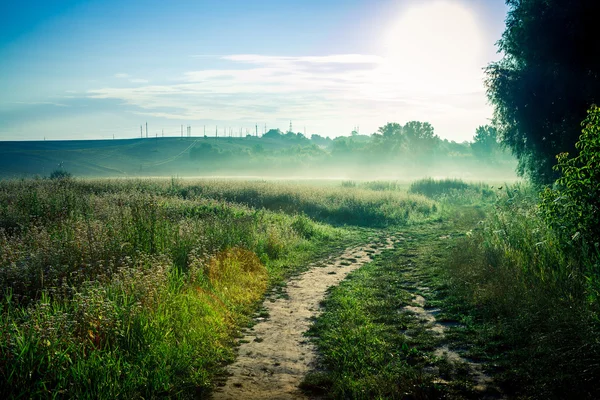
(390, 130)
(573, 207)
(273, 134)
(547, 79)
(485, 141)
(420, 136)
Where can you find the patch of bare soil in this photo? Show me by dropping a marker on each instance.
(274, 356)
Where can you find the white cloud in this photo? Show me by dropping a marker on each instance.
(330, 94)
(334, 59)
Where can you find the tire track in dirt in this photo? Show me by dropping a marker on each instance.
(482, 381)
(484, 385)
(274, 356)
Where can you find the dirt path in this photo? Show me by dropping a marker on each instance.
(482, 381)
(482, 384)
(274, 355)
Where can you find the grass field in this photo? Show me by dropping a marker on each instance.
(516, 305)
(137, 288)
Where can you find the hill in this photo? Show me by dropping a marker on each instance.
(275, 155)
(127, 157)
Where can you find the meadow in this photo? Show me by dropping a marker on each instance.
(519, 298)
(137, 288)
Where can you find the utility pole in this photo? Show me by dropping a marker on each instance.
(216, 131)
(182, 130)
(204, 130)
(146, 129)
(256, 126)
(290, 126)
(141, 131)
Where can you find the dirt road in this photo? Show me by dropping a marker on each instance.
(274, 356)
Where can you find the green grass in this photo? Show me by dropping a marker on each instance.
(454, 191)
(137, 288)
(334, 205)
(529, 307)
(518, 302)
(369, 346)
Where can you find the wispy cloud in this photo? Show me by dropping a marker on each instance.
(331, 59)
(121, 75)
(38, 103)
(331, 93)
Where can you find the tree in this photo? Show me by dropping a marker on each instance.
(546, 80)
(320, 140)
(273, 134)
(390, 130)
(485, 141)
(420, 136)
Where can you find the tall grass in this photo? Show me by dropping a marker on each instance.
(532, 301)
(128, 290)
(453, 191)
(136, 288)
(359, 206)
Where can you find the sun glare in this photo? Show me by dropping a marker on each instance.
(435, 47)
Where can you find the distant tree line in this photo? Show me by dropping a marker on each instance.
(412, 143)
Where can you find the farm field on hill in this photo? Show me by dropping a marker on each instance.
(289, 156)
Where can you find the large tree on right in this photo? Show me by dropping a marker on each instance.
(548, 78)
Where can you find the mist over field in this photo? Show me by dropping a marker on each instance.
(391, 199)
(393, 153)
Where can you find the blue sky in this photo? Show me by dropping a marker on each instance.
(94, 69)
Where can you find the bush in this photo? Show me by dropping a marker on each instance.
(59, 174)
(572, 208)
(526, 299)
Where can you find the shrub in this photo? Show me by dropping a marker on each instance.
(572, 208)
(59, 174)
(527, 300)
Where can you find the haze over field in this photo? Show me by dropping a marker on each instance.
(344, 216)
(94, 69)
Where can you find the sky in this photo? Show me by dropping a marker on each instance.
(101, 69)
